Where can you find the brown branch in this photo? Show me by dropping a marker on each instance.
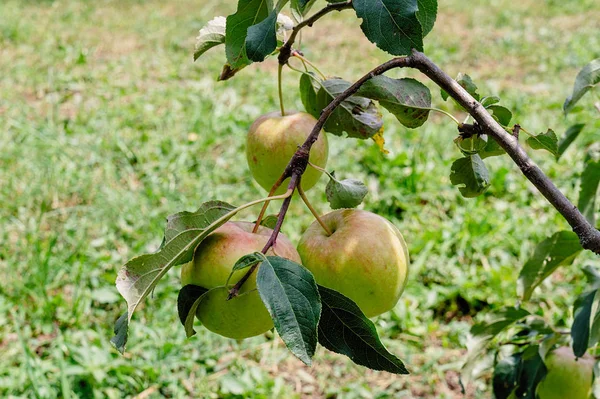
(285, 52)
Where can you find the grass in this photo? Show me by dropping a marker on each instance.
(107, 127)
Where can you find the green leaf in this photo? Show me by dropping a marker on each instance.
(120, 330)
(392, 25)
(580, 329)
(590, 179)
(545, 141)
(506, 376)
(269, 221)
(470, 175)
(569, 137)
(344, 329)
(201, 219)
(490, 100)
(262, 38)
(404, 98)
(308, 95)
(290, 294)
(249, 13)
(491, 149)
(533, 371)
(245, 262)
(300, 8)
(427, 14)
(560, 249)
(593, 277)
(500, 114)
(348, 193)
(210, 36)
(472, 145)
(357, 116)
(187, 303)
(585, 80)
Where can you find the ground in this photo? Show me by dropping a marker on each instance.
(107, 127)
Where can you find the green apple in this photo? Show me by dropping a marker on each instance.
(365, 258)
(568, 377)
(272, 141)
(245, 315)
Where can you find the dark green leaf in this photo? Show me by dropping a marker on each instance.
(501, 114)
(120, 330)
(472, 145)
(533, 371)
(545, 141)
(492, 149)
(348, 193)
(391, 24)
(569, 137)
(208, 213)
(249, 13)
(595, 329)
(346, 330)
(580, 329)
(290, 294)
(262, 38)
(210, 36)
(590, 179)
(560, 249)
(308, 95)
(593, 277)
(357, 116)
(467, 83)
(470, 175)
(427, 14)
(187, 303)
(506, 376)
(404, 98)
(586, 79)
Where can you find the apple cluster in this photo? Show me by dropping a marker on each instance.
(362, 255)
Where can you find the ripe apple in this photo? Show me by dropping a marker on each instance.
(365, 258)
(568, 377)
(245, 315)
(272, 141)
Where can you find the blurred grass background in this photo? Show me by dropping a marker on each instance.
(107, 127)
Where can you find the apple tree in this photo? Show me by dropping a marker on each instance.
(240, 279)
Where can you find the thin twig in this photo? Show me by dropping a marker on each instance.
(312, 210)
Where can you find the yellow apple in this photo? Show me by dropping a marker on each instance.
(245, 315)
(272, 141)
(568, 377)
(365, 258)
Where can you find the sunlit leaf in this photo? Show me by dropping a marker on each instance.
(210, 36)
(545, 141)
(587, 78)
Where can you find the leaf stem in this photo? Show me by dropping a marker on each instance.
(266, 204)
(313, 66)
(312, 210)
(280, 88)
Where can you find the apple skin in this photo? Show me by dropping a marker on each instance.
(365, 258)
(568, 377)
(272, 141)
(244, 316)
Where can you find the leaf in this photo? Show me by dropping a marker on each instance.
(308, 95)
(569, 137)
(580, 329)
(467, 83)
(392, 25)
(472, 145)
(300, 8)
(490, 100)
(545, 141)
(290, 294)
(357, 116)
(560, 249)
(404, 98)
(187, 303)
(491, 149)
(427, 14)
(269, 221)
(245, 262)
(506, 376)
(262, 38)
(120, 330)
(590, 179)
(533, 371)
(585, 80)
(249, 13)
(593, 277)
(482, 333)
(344, 329)
(500, 114)
(348, 193)
(202, 218)
(210, 36)
(470, 175)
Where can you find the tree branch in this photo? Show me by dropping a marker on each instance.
(285, 52)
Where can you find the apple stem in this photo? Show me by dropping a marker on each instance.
(263, 210)
(312, 210)
(280, 88)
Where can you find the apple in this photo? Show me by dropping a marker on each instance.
(365, 258)
(245, 315)
(272, 141)
(568, 377)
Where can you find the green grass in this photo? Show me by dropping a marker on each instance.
(107, 127)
